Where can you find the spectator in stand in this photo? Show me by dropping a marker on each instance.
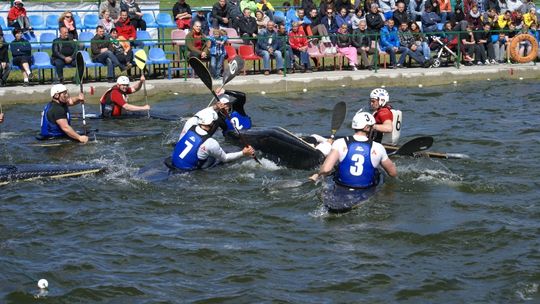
(106, 21)
(389, 43)
(299, 45)
(66, 20)
(289, 56)
(492, 4)
(217, 52)
(361, 39)
(421, 39)
(121, 49)
(388, 7)
(308, 5)
(490, 17)
(468, 42)
(195, 42)
(527, 5)
(290, 11)
(249, 4)
(134, 13)
(267, 8)
(299, 17)
(248, 27)
(514, 5)
(112, 6)
(483, 39)
(430, 20)
(355, 19)
(458, 15)
(17, 18)
(182, 14)
(499, 46)
(21, 52)
(101, 52)
(374, 19)
(262, 20)
(467, 6)
(64, 49)
(533, 30)
(445, 10)
(347, 4)
(325, 5)
(416, 9)
(400, 14)
(268, 46)
(517, 19)
(530, 17)
(504, 19)
(473, 18)
(344, 46)
(4, 60)
(235, 13)
(201, 18)
(220, 14)
(503, 6)
(315, 23)
(407, 40)
(343, 18)
(126, 30)
(330, 23)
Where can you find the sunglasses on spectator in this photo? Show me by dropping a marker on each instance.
(68, 16)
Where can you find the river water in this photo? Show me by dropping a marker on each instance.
(444, 231)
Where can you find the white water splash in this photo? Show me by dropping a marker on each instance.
(527, 292)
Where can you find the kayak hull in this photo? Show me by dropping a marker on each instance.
(340, 199)
(10, 173)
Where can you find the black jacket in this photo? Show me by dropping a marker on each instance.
(361, 39)
(247, 25)
(62, 48)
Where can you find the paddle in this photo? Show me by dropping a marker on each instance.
(415, 145)
(338, 116)
(140, 61)
(235, 66)
(203, 73)
(81, 66)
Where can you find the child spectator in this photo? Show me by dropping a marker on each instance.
(217, 52)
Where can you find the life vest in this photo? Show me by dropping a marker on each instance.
(184, 155)
(108, 107)
(393, 137)
(240, 121)
(50, 128)
(356, 170)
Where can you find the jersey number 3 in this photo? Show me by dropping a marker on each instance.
(358, 164)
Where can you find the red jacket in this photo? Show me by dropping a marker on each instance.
(298, 40)
(125, 29)
(15, 12)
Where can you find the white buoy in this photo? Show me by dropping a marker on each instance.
(263, 92)
(455, 82)
(304, 90)
(42, 284)
(488, 79)
(342, 85)
(175, 93)
(420, 85)
(383, 86)
(520, 78)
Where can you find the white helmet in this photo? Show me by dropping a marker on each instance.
(224, 99)
(57, 88)
(206, 116)
(380, 94)
(122, 80)
(361, 120)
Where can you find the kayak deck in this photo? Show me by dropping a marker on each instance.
(339, 199)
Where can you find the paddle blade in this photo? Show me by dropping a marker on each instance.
(200, 69)
(235, 66)
(416, 145)
(140, 59)
(338, 116)
(81, 66)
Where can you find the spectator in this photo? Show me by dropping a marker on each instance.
(17, 18)
(235, 13)
(389, 43)
(203, 20)
(374, 19)
(517, 19)
(504, 20)
(445, 10)
(458, 15)
(101, 52)
(134, 14)
(126, 30)
(503, 5)
(473, 18)
(469, 44)
(527, 5)
(346, 4)
(492, 4)
(284, 37)
(361, 39)
(530, 17)
(355, 19)
(21, 52)
(416, 9)
(421, 40)
(262, 20)
(499, 46)
(344, 46)
(400, 14)
(490, 17)
(387, 7)
(195, 44)
(467, 6)
(430, 19)
(248, 27)
(182, 14)
(302, 20)
(330, 23)
(217, 52)
(268, 46)
(121, 49)
(324, 6)
(483, 39)
(106, 21)
(250, 4)
(289, 10)
(308, 5)
(343, 18)
(66, 20)
(299, 45)
(112, 6)
(64, 49)
(4, 60)
(220, 14)
(407, 40)
(267, 8)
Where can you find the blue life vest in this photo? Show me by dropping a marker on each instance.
(240, 121)
(50, 128)
(356, 170)
(184, 155)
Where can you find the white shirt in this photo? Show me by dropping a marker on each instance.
(212, 148)
(378, 152)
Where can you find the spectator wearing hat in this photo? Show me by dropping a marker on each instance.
(17, 17)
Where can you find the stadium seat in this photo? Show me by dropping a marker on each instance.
(336, 56)
(3, 24)
(78, 22)
(90, 64)
(165, 20)
(233, 37)
(45, 40)
(145, 37)
(52, 22)
(231, 52)
(42, 62)
(157, 56)
(37, 22)
(90, 21)
(8, 37)
(150, 20)
(247, 52)
(85, 37)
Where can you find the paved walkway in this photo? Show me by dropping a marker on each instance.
(296, 82)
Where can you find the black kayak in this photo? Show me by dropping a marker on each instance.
(131, 115)
(281, 147)
(339, 199)
(10, 173)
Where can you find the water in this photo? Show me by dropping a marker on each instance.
(444, 231)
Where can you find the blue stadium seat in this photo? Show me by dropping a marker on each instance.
(52, 21)
(8, 37)
(146, 38)
(165, 20)
(42, 62)
(37, 22)
(91, 21)
(78, 22)
(157, 56)
(90, 64)
(3, 24)
(85, 37)
(45, 40)
(150, 20)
